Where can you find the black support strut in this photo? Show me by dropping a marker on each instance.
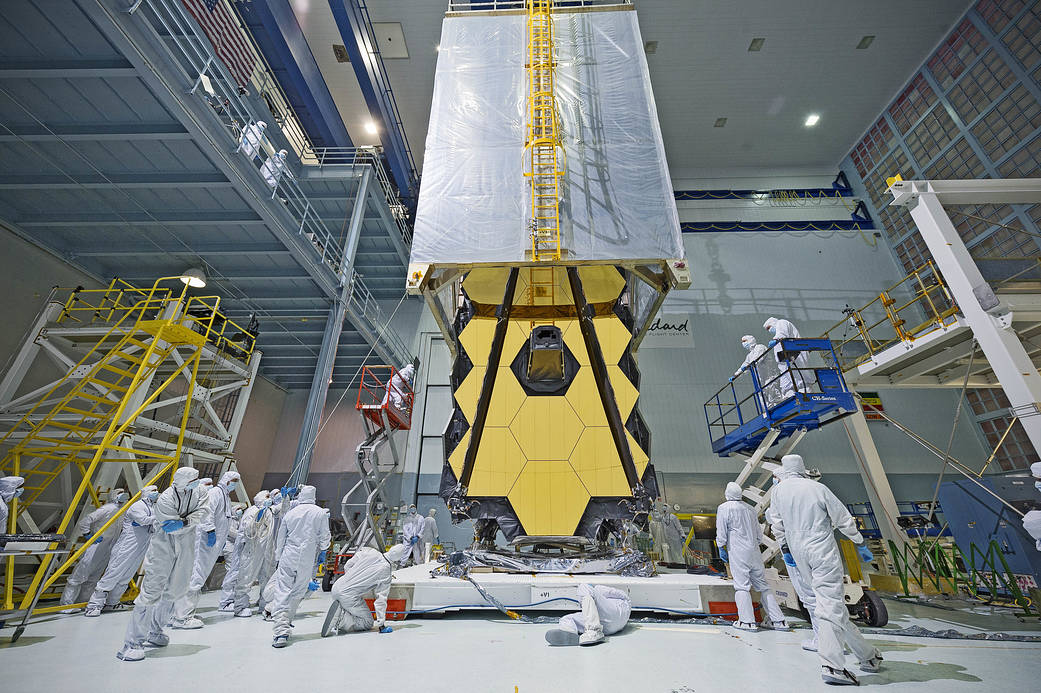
(502, 317)
(603, 382)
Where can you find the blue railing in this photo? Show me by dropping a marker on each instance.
(766, 395)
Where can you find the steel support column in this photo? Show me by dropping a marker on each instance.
(350, 248)
(880, 493)
(991, 322)
(323, 371)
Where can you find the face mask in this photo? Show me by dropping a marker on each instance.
(153, 496)
(772, 328)
(122, 498)
(192, 485)
(411, 511)
(775, 481)
(747, 345)
(266, 503)
(232, 485)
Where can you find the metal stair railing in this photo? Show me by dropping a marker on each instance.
(188, 47)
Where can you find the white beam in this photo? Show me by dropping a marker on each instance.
(993, 330)
(880, 493)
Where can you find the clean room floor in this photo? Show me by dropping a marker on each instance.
(487, 652)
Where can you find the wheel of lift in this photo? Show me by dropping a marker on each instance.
(872, 609)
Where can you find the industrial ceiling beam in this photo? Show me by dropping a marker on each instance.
(209, 180)
(139, 218)
(353, 22)
(203, 249)
(77, 68)
(93, 132)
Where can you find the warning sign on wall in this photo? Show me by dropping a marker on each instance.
(872, 406)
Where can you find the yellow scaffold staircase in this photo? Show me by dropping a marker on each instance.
(84, 419)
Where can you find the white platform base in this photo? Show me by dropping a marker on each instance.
(666, 593)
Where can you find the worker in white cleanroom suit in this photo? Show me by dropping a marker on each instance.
(605, 611)
(765, 370)
(1032, 525)
(807, 514)
(267, 567)
(273, 168)
(802, 588)
(251, 138)
(138, 526)
(255, 534)
(10, 488)
(738, 537)
(397, 388)
(411, 531)
(674, 539)
(755, 350)
(790, 379)
(429, 535)
(367, 571)
(209, 542)
(303, 537)
(1035, 471)
(231, 560)
(168, 564)
(94, 560)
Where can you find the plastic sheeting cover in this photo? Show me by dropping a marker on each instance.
(617, 201)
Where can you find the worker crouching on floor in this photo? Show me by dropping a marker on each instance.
(367, 571)
(605, 611)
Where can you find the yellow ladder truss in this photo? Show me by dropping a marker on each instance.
(543, 137)
(104, 395)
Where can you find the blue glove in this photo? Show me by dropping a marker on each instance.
(386, 629)
(731, 379)
(789, 560)
(98, 540)
(723, 555)
(87, 536)
(313, 586)
(413, 540)
(290, 491)
(211, 537)
(172, 525)
(260, 515)
(321, 557)
(134, 524)
(771, 344)
(865, 553)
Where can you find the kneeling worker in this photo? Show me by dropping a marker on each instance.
(367, 571)
(605, 611)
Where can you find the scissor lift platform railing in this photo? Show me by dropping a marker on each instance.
(746, 410)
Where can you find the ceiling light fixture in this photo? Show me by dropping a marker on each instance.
(756, 45)
(370, 127)
(437, 48)
(811, 120)
(193, 277)
(865, 42)
(720, 122)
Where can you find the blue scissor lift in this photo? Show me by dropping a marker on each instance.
(768, 405)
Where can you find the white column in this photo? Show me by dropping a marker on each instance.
(1000, 344)
(880, 493)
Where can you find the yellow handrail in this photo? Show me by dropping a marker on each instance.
(882, 322)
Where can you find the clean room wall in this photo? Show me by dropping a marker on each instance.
(740, 279)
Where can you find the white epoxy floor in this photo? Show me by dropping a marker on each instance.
(484, 652)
